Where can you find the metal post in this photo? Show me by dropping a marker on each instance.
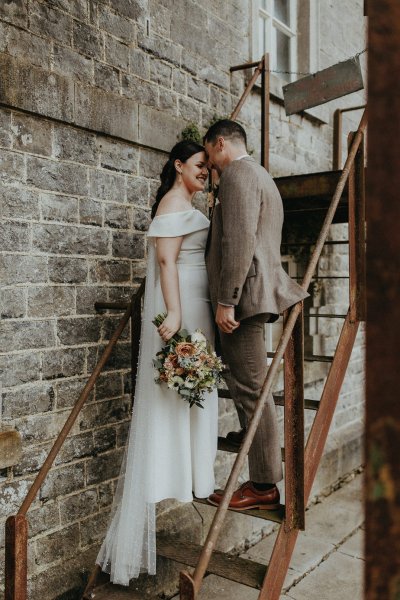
(16, 558)
(294, 428)
(383, 320)
(265, 87)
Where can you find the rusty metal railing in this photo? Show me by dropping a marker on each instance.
(17, 525)
(190, 585)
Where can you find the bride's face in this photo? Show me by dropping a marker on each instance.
(195, 172)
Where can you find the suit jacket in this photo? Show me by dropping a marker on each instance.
(243, 247)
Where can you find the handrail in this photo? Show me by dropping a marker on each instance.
(192, 584)
(80, 402)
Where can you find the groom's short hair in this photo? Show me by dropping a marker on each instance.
(229, 130)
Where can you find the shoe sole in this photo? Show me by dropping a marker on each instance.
(252, 507)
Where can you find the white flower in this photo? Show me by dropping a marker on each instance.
(198, 336)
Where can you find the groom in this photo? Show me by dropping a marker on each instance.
(248, 287)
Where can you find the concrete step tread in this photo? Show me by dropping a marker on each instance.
(276, 516)
(278, 398)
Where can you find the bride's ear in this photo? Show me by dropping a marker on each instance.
(178, 166)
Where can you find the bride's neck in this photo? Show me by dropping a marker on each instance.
(183, 191)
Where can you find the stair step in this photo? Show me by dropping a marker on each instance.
(234, 568)
(309, 357)
(279, 400)
(276, 516)
(226, 446)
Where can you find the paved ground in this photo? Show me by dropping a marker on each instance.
(327, 563)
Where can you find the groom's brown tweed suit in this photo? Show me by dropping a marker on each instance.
(244, 270)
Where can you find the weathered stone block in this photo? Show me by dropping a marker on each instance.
(118, 156)
(116, 53)
(151, 163)
(10, 447)
(86, 296)
(22, 269)
(12, 167)
(78, 506)
(105, 494)
(69, 390)
(63, 480)
(71, 63)
(63, 363)
(160, 73)
(160, 47)
(91, 212)
(41, 427)
(105, 112)
(137, 190)
(76, 446)
(58, 239)
(139, 90)
(80, 330)
(117, 216)
(109, 386)
(28, 47)
(22, 335)
(59, 208)
(56, 176)
(68, 270)
(111, 271)
(5, 125)
(12, 303)
(179, 83)
(94, 528)
(17, 369)
(104, 467)
(74, 144)
(18, 203)
(120, 357)
(116, 24)
(107, 186)
(28, 401)
(158, 129)
(104, 413)
(140, 63)
(128, 245)
(12, 495)
(110, 324)
(168, 101)
(197, 89)
(14, 11)
(104, 439)
(141, 219)
(50, 22)
(43, 519)
(107, 78)
(58, 545)
(31, 134)
(189, 110)
(51, 301)
(133, 9)
(87, 40)
(14, 236)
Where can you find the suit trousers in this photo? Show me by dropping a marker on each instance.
(245, 355)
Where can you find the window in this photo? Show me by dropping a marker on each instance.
(277, 33)
(289, 31)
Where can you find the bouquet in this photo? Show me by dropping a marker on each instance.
(188, 365)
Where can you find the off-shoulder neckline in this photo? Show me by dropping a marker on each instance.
(178, 212)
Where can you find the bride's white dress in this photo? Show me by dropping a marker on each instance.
(171, 447)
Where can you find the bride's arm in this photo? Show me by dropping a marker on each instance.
(167, 253)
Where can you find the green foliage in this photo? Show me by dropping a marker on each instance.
(192, 133)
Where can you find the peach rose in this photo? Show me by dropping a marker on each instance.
(185, 349)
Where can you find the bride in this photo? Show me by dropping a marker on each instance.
(171, 447)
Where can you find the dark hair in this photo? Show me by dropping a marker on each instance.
(227, 129)
(181, 151)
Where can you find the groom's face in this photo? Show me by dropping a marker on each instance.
(216, 154)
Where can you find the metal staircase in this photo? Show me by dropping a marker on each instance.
(337, 196)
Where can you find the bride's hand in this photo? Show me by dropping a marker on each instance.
(170, 325)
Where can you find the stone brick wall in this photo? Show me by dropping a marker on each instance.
(93, 93)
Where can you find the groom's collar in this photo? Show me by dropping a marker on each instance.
(242, 156)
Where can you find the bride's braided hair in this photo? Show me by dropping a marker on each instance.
(181, 151)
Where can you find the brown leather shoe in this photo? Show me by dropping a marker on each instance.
(247, 498)
(236, 437)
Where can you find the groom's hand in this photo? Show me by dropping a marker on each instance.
(225, 318)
